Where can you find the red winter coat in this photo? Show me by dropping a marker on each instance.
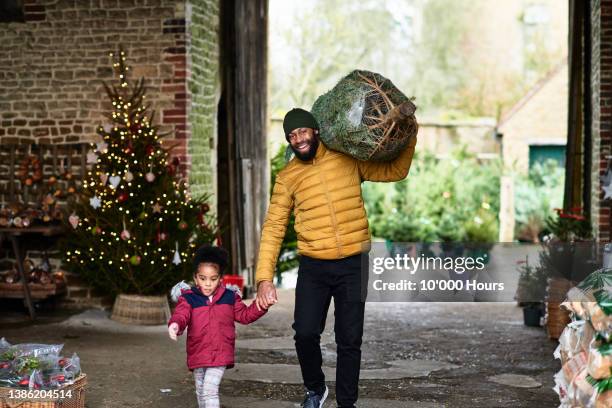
(211, 333)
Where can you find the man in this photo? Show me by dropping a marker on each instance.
(323, 189)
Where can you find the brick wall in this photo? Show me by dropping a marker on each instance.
(52, 65)
(204, 89)
(601, 80)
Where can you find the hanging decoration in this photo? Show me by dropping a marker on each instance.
(125, 234)
(95, 202)
(177, 256)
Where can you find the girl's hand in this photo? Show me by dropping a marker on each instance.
(172, 330)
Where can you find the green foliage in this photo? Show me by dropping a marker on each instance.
(450, 199)
(535, 197)
(436, 60)
(308, 58)
(532, 283)
(142, 236)
(440, 63)
(288, 253)
(569, 225)
(483, 227)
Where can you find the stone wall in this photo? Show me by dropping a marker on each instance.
(204, 89)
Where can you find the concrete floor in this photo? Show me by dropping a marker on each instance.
(414, 355)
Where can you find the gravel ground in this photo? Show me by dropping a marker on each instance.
(127, 366)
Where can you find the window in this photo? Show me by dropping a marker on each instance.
(11, 11)
(542, 153)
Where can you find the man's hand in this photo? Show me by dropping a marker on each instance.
(266, 295)
(173, 330)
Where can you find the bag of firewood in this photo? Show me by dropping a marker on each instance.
(365, 116)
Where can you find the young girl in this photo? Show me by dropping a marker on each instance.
(208, 311)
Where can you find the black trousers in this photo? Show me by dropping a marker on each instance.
(318, 281)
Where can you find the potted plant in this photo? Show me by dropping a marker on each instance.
(531, 291)
(567, 257)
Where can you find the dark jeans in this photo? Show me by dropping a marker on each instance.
(318, 281)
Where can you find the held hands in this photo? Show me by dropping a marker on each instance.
(266, 295)
(173, 330)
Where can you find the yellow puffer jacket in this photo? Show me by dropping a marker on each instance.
(325, 193)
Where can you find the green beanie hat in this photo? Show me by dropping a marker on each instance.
(298, 118)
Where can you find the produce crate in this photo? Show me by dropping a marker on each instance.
(76, 400)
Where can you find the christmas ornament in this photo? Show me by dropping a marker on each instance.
(204, 208)
(74, 220)
(157, 208)
(177, 256)
(142, 215)
(607, 189)
(182, 225)
(135, 260)
(128, 176)
(92, 157)
(123, 196)
(114, 181)
(150, 177)
(103, 178)
(128, 149)
(125, 234)
(150, 149)
(95, 202)
(95, 230)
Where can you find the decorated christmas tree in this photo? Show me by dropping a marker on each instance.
(134, 226)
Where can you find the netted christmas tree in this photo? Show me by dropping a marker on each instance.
(134, 226)
(366, 116)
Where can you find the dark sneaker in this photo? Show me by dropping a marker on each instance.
(314, 400)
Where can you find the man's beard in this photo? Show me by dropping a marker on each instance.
(312, 151)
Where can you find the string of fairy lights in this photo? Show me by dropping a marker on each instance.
(129, 178)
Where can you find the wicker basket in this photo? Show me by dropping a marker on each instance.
(556, 317)
(142, 310)
(77, 400)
